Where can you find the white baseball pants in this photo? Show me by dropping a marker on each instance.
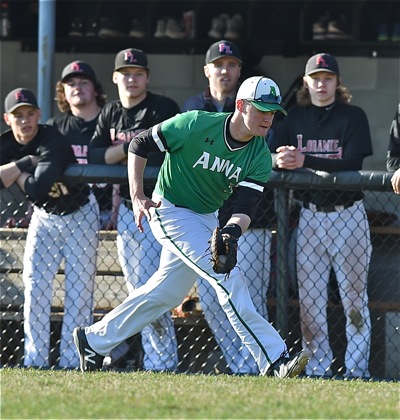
(338, 240)
(254, 258)
(50, 240)
(139, 256)
(184, 237)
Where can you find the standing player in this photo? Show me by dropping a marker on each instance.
(393, 156)
(324, 133)
(207, 154)
(136, 110)
(223, 64)
(80, 97)
(64, 225)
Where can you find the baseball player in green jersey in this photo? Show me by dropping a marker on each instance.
(207, 155)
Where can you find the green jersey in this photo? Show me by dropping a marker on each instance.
(200, 168)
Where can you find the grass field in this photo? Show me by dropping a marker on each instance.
(36, 394)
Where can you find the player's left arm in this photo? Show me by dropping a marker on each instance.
(393, 155)
(17, 171)
(245, 207)
(54, 155)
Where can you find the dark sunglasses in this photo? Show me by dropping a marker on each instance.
(269, 99)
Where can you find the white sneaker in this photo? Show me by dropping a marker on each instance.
(218, 26)
(234, 27)
(319, 31)
(161, 27)
(174, 30)
(339, 29)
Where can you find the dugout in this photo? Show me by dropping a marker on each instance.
(198, 350)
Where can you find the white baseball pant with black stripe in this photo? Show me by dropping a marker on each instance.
(184, 236)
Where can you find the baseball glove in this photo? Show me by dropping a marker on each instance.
(223, 248)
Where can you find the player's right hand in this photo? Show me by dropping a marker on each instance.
(396, 182)
(141, 208)
(288, 157)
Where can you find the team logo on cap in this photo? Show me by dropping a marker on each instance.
(272, 91)
(130, 57)
(320, 62)
(20, 97)
(76, 66)
(224, 48)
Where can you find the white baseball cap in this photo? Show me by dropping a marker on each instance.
(263, 93)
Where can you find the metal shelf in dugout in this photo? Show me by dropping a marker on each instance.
(260, 27)
(351, 22)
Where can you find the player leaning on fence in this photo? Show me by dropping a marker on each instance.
(323, 132)
(207, 154)
(393, 156)
(64, 225)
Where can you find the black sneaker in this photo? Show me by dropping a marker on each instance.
(288, 367)
(89, 360)
(76, 26)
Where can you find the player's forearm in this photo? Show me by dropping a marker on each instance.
(22, 179)
(9, 174)
(116, 154)
(240, 219)
(136, 166)
(392, 162)
(333, 165)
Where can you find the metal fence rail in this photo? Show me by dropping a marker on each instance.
(199, 349)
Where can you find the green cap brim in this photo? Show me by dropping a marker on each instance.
(268, 107)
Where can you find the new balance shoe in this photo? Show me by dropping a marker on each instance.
(382, 32)
(320, 27)
(288, 367)
(174, 30)
(218, 26)
(137, 29)
(76, 26)
(395, 37)
(90, 361)
(161, 28)
(339, 29)
(234, 27)
(92, 28)
(110, 28)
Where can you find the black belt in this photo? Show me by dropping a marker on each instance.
(65, 211)
(128, 204)
(327, 209)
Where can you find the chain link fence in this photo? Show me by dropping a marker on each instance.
(205, 341)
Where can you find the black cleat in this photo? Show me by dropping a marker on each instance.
(90, 361)
(288, 367)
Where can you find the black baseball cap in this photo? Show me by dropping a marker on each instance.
(131, 57)
(322, 62)
(221, 49)
(78, 68)
(19, 97)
